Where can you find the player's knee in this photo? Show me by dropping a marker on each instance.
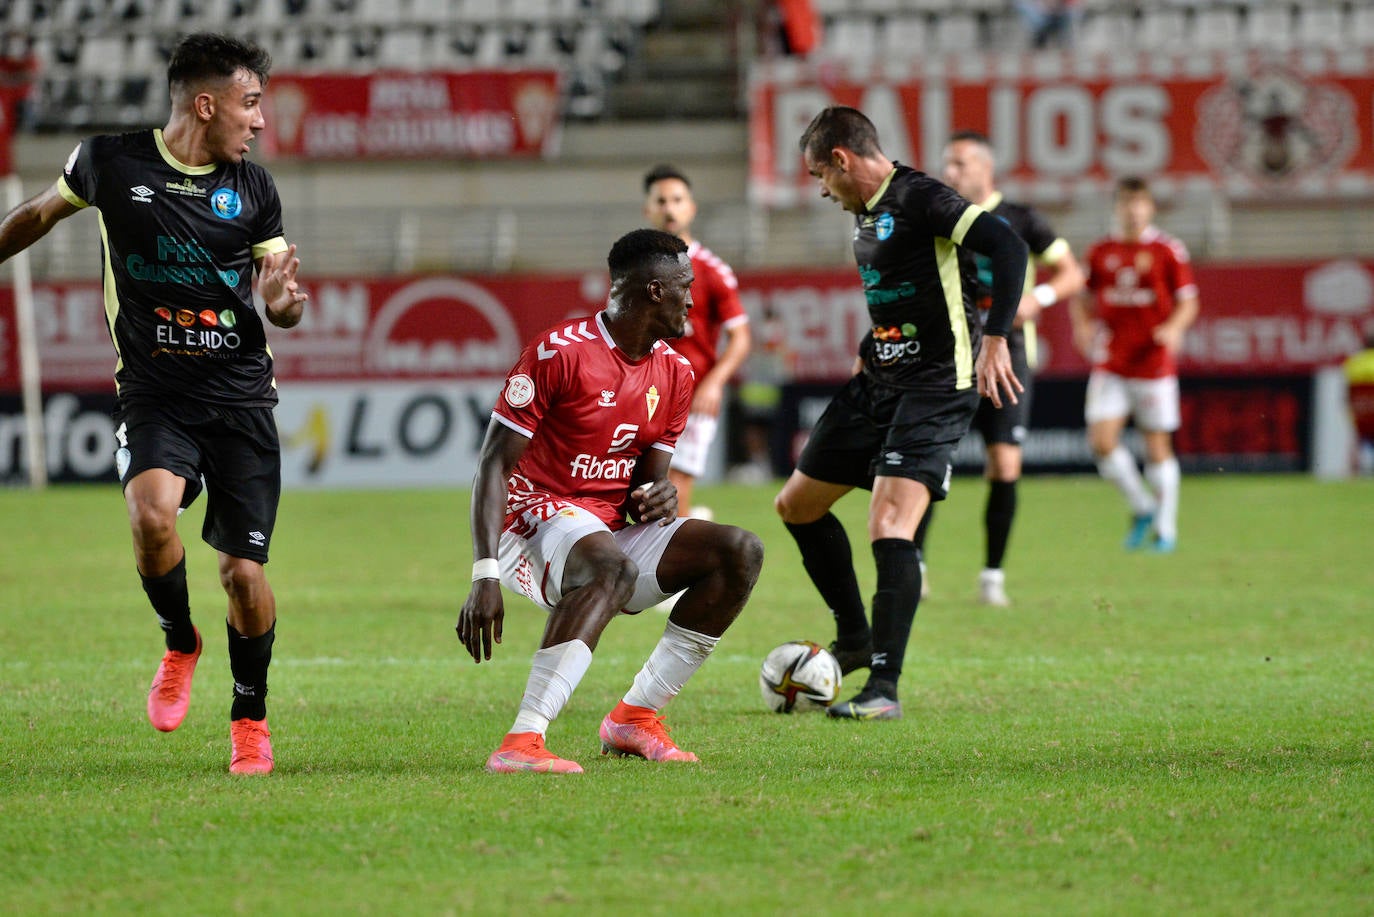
(153, 525)
(242, 579)
(790, 509)
(742, 553)
(617, 572)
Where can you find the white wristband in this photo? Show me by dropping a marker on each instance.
(1045, 295)
(486, 568)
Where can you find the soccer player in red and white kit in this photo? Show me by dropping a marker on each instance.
(1140, 298)
(716, 311)
(572, 507)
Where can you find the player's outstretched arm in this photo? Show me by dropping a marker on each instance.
(483, 613)
(31, 220)
(277, 283)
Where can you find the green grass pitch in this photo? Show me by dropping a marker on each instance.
(1137, 734)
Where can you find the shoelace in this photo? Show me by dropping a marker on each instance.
(171, 672)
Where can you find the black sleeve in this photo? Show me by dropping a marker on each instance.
(994, 238)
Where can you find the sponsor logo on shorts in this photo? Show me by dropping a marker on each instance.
(256, 538)
(893, 458)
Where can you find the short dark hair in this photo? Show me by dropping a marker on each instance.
(660, 172)
(977, 137)
(1132, 184)
(840, 125)
(207, 56)
(640, 249)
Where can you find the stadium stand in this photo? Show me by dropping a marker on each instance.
(646, 80)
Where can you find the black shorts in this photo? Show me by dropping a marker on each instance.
(235, 450)
(1008, 423)
(871, 429)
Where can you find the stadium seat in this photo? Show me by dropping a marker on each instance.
(405, 48)
(1361, 26)
(1106, 32)
(955, 33)
(1269, 27)
(904, 38)
(1216, 28)
(1161, 28)
(1320, 25)
(853, 38)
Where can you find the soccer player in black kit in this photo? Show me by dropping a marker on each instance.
(968, 169)
(894, 426)
(185, 220)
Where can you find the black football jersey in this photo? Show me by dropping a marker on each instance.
(179, 244)
(917, 284)
(1045, 247)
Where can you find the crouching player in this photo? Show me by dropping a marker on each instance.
(571, 506)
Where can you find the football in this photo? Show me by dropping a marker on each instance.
(798, 676)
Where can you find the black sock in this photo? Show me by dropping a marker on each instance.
(830, 563)
(920, 539)
(248, 661)
(997, 517)
(172, 602)
(894, 606)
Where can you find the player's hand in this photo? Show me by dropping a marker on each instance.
(479, 623)
(657, 500)
(994, 372)
(1085, 339)
(1168, 337)
(279, 288)
(1028, 310)
(707, 398)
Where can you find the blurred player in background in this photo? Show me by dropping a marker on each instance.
(185, 220)
(572, 507)
(968, 169)
(1141, 296)
(894, 426)
(716, 311)
(1359, 380)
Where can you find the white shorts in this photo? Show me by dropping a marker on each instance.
(1152, 402)
(694, 445)
(535, 548)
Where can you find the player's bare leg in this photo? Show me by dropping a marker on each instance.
(153, 498)
(598, 579)
(804, 506)
(718, 565)
(251, 630)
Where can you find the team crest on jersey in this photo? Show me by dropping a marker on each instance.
(226, 203)
(519, 391)
(651, 399)
(883, 226)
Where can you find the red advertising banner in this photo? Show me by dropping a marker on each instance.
(1254, 125)
(1257, 320)
(402, 115)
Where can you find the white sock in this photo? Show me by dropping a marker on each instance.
(1118, 466)
(1164, 478)
(679, 653)
(554, 675)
